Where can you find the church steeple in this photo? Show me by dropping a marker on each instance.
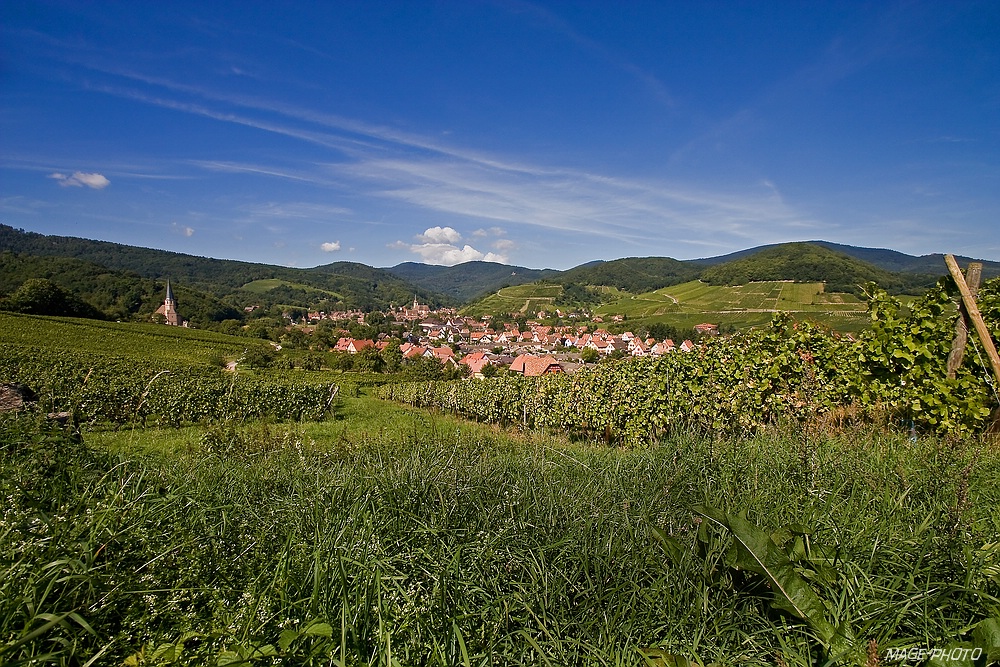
(169, 308)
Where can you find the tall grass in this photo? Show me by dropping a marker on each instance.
(262, 544)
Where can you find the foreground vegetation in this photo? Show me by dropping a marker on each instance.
(759, 514)
(389, 536)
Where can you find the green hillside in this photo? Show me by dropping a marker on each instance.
(115, 294)
(358, 285)
(808, 262)
(520, 299)
(632, 274)
(468, 280)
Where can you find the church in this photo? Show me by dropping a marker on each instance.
(169, 309)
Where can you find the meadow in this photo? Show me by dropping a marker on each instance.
(382, 534)
(394, 536)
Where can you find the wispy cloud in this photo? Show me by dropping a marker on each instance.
(437, 177)
(294, 211)
(20, 204)
(575, 201)
(230, 167)
(79, 179)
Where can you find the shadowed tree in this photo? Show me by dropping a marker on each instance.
(39, 296)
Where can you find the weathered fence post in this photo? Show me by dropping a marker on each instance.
(973, 311)
(973, 276)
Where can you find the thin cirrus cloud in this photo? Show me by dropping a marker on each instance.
(293, 211)
(576, 201)
(79, 179)
(427, 174)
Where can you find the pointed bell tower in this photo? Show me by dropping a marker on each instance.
(169, 308)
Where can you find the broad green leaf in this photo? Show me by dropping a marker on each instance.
(757, 552)
(956, 654)
(986, 635)
(286, 638)
(319, 629)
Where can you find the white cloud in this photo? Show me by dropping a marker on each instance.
(183, 230)
(330, 247)
(439, 245)
(80, 179)
(445, 254)
(440, 235)
(504, 244)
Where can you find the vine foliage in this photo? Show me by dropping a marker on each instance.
(787, 372)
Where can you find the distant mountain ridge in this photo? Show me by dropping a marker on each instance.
(883, 258)
(358, 285)
(233, 284)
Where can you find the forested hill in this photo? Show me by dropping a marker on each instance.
(633, 274)
(810, 262)
(105, 293)
(121, 280)
(883, 258)
(469, 280)
(343, 284)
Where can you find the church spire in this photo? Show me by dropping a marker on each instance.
(169, 308)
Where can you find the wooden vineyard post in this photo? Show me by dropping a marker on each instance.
(973, 311)
(972, 277)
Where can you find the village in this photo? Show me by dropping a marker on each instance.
(533, 349)
(484, 346)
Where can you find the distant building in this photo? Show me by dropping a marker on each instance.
(169, 309)
(707, 329)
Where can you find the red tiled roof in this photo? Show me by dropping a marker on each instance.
(531, 366)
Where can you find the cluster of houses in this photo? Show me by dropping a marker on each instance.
(554, 339)
(530, 352)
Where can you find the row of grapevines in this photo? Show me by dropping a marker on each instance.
(785, 372)
(105, 389)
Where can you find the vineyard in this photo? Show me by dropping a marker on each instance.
(144, 343)
(113, 374)
(104, 389)
(525, 299)
(785, 373)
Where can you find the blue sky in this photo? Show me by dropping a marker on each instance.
(536, 134)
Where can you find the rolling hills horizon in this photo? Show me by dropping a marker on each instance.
(93, 267)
